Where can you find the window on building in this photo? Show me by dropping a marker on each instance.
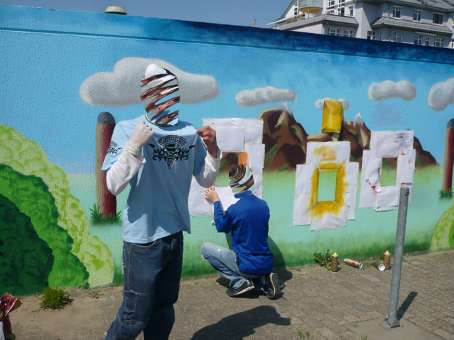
(350, 11)
(438, 42)
(349, 34)
(417, 15)
(396, 12)
(372, 35)
(331, 3)
(437, 18)
(418, 39)
(331, 11)
(341, 11)
(427, 41)
(331, 31)
(397, 37)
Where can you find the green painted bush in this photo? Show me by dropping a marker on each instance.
(31, 196)
(25, 259)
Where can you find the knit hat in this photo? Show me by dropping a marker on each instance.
(160, 94)
(240, 177)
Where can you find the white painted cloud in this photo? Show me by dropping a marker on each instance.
(263, 95)
(441, 95)
(122, 86)
(390, 89)
(319, 103)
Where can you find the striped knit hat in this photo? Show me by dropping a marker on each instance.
(240, 178)
(160, 94)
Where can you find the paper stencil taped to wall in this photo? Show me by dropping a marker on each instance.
(234, 135)
(386, 144)
(325, 192)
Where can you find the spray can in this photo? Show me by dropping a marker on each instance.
(387, 260)
(334, 263)
(354, 263)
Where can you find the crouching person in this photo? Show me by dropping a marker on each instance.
(248, 265)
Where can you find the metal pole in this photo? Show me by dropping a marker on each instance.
(392, 320)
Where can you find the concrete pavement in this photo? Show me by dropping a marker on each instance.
(316, 304)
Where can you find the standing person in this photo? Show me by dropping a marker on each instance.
(157, 155)
(249, 264)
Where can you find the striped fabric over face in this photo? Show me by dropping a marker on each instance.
(240, 178)
(160, 94)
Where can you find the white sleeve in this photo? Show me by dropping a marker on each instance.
(207, 176)
(121, 172)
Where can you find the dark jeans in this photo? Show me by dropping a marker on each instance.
(151, 282)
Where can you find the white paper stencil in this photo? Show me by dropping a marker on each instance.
(333, 157)
(233, 135)
(386, 144)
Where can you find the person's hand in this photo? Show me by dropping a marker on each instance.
(211, 195)
(139, 138)
(208, 135)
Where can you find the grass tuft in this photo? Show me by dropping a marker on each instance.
(445, 194)
(54, 298)
(98, 218)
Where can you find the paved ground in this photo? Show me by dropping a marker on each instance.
(317, 304)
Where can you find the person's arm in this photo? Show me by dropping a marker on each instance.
(222, 218)
(127, 161)
(207, 157)
(207, 176)
(122, 171)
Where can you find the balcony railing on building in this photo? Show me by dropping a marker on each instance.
(310, 6)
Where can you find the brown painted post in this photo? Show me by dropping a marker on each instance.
(107, 202)
(449, 157)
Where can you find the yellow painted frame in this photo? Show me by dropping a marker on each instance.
(320, 208)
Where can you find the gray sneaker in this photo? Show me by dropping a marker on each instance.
(272, 286)
(245, 287)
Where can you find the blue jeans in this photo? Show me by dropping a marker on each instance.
(151, 283)
(224, 261)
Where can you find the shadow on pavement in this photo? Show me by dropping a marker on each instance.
(240, 325)
(406, 304)
(279, 262)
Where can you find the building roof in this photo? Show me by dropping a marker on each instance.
(411, 25)
(321, 19)
(292, 3)
(439, 5)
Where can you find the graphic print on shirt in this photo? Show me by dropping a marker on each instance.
(171, 149)
(113, 148)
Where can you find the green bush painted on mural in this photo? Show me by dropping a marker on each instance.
(25, 259)
(443, 234)
(32, 198)
(27, 158)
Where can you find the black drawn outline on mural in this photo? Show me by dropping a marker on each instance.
(171, 149)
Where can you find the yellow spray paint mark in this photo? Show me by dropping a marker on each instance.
(325, 153)
(320, 208)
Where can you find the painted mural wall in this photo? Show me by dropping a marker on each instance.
(61, 70)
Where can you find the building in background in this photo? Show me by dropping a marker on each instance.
(419, 22)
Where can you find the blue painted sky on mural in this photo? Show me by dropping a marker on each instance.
(232, 12)
(40, 97)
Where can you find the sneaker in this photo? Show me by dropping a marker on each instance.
(245, 287)
(272, 286)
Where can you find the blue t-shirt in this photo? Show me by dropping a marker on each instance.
(157, 204)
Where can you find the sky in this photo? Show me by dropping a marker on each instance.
(231, 12)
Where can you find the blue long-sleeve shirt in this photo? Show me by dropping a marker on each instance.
(247, 221)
